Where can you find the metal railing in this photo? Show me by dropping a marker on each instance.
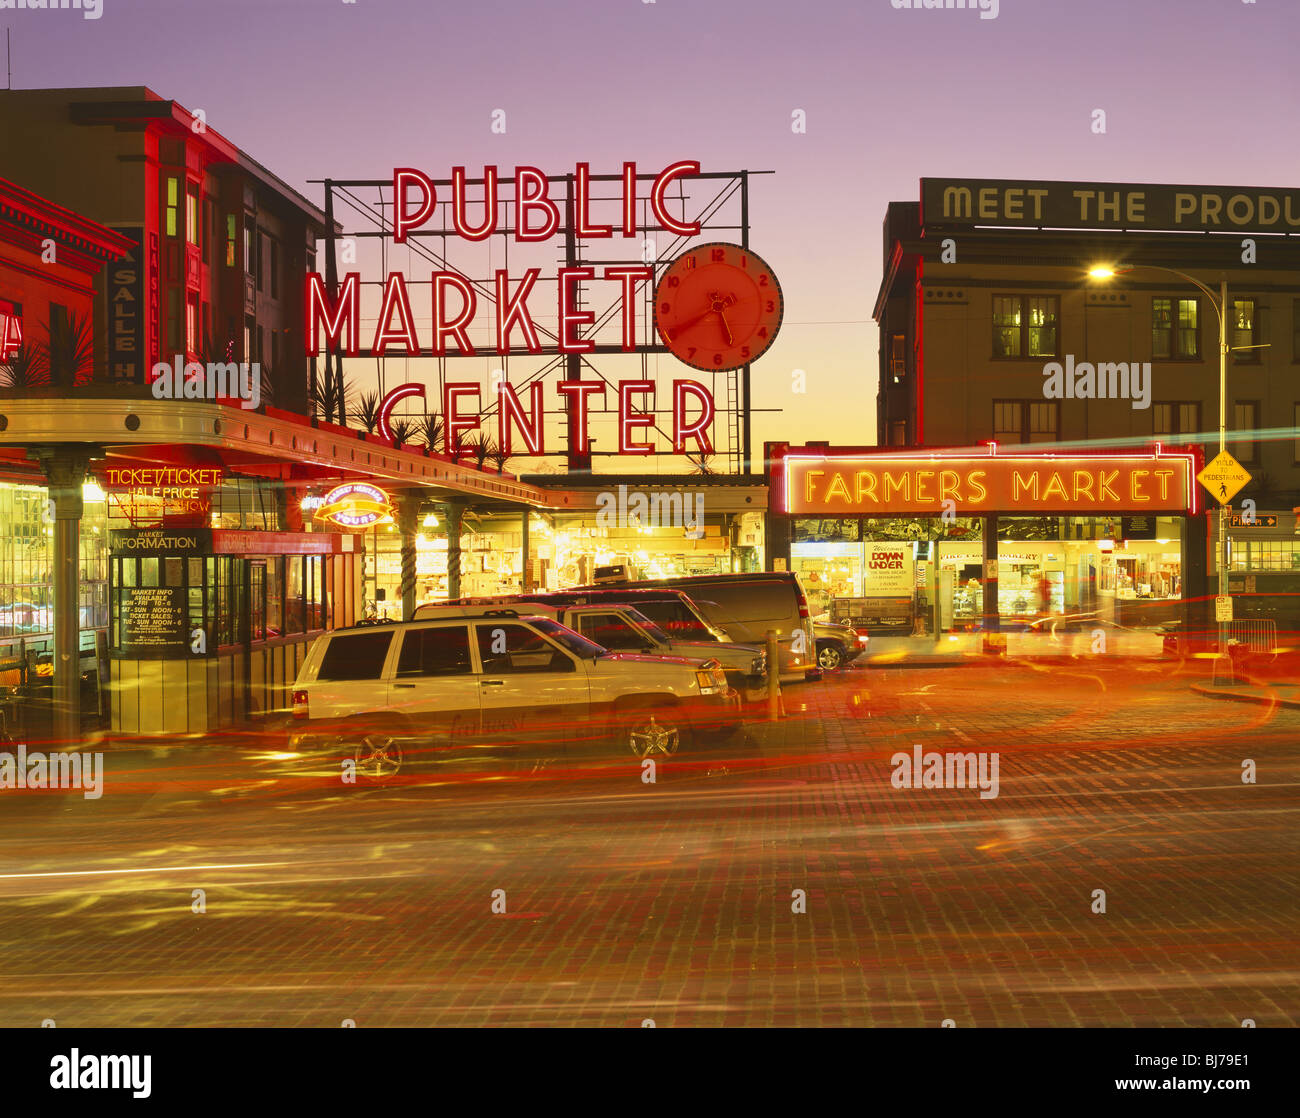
(1257, 634)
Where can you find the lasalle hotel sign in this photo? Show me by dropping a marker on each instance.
(1103, 205)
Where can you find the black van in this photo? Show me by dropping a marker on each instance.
(744, 606)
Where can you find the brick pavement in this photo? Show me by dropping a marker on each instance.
(673, 901)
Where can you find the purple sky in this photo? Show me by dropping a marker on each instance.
(1195, 91)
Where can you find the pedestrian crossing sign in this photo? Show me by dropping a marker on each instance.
(1224, 477)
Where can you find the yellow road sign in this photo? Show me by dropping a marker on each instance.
(1224, 477)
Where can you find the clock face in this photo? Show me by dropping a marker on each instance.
(718, 307)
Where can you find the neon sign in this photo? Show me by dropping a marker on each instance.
(355, 505)
(11, 331)
(887, 484)
(529, 214)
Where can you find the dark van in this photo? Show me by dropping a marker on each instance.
(745, 607)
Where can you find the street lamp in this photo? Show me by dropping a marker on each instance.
(1222, 663)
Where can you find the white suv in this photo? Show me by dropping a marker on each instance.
(392, 691)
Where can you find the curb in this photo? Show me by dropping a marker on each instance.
(1241, 697)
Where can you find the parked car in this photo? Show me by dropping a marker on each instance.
(746, 606)
(377, 692)
(837, 645)
(622, 628)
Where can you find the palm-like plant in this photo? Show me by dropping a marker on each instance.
(367, 411)
(70, 351)
(26, 367)
(704, 465)
(499, 456)
(328, 398)
(430, 427)
(403, 430)
(479, 449)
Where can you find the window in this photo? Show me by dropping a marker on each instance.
(1176, 420)
(355, 656)
(275, 597)
(1245, 421)
(676, 619)
(192, 324)
(257, 591)
(173, 204)
(248, 245)
(175, 323)
(1175, 329)
(1025, 325)
(256, 267)
(611, 631)
(512, 649)
(192, 216)
(232, 242)
(1026, 421)
(897, 356)
(207, 232)
(275, 268)
(295, 606)
(898, 433)
(443, 651)
(1243, 330)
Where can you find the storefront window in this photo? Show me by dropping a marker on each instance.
(274, 597)
(295, 614)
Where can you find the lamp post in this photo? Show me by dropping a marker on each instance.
(1222, 662)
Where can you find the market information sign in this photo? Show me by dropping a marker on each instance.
(929, 485)
(160, 541)
(1109, 205)
(1137, 527)
(1223, 477)
(153, 623)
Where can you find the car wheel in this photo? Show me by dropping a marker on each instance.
(377, 755)
(829, 655)
(650, 732)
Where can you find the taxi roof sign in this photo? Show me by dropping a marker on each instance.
(1224, 477)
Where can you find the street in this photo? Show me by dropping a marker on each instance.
(578, 894)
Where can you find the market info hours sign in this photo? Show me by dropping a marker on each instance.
(936, 485)
(889, 572)
(153, 623)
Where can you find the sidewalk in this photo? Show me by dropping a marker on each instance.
(954, 649)
(1283, 694)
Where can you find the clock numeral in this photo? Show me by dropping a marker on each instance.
(719, 255)
(717, 359)
(762, 280)
(664, 308)
(690, 352)
(762, 331)
(690, 262)
(674, 281)
(744, 261)
(771, 306)
(744, 352)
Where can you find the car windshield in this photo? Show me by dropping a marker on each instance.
(576, 643)
(649, 626)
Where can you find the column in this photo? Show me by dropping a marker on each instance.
(993, 639)
(454, 516)
(408, 525)
(525, 555)
(65, 472)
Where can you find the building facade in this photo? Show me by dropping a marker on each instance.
(993, 330)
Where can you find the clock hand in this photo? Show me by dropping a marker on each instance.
(726, 326)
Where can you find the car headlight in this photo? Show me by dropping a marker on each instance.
(711, 677)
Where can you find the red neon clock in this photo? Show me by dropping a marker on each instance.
(718, 307)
